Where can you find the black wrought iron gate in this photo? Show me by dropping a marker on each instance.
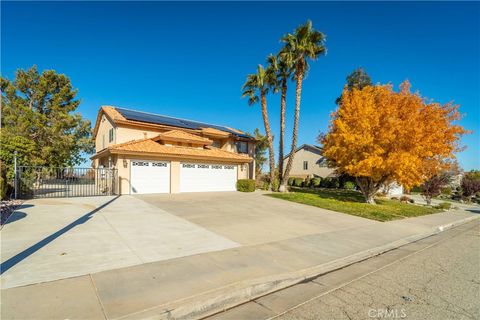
(48, 182)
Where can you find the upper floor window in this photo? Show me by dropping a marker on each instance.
(305, 165)
(242, 147)
(110, 135)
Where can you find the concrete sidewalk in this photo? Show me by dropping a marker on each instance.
(202, 284)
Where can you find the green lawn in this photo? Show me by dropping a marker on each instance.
(352, 202)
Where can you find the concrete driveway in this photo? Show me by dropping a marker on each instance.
(50, 239)
(252, 218)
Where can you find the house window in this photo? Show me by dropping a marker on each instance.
(110, 135)
(242, 147)
(217, 144)
(305, 165)
(103, 141)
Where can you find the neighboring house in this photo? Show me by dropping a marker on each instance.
(161, 154)
(309, 162)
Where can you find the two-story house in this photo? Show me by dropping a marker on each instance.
(309, 162)
(161, 154)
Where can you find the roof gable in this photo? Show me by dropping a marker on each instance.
(309, 147)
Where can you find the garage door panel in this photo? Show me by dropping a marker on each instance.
(201, 177)
(149, 176)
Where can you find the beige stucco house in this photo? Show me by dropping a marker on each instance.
(160, 154)
(308, 162)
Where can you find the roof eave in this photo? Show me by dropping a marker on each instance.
(179, 157)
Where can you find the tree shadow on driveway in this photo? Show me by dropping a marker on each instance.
(5, 266)
(15, 216)
(473, 210)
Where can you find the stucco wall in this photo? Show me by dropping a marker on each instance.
(314, 165)
(122, 164)
(101, 140)
(125, 134)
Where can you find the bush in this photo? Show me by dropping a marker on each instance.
(394, 198)
(275, 185)
(290, 181)
(298, 182)
(349, 185)
(329, 182)
(307, 183)
(444, 206)
(326, 182)
(404, 199)
(246, 185)
(447, 191)
(335, 183)
(3, 188)
(470, 184)
(416, 189)
(316, 182)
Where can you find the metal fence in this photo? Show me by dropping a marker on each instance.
(47, 182)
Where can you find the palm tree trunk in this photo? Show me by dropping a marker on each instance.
(298, 96)
(283, 103)
(271, 154)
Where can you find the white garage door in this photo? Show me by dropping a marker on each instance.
(199, 177)
(149, 176)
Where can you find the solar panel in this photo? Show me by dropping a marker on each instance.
(170, 121)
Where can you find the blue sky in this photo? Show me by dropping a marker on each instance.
(190, 59)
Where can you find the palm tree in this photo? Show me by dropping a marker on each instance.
(256, 89)
(305, 43)
(283, 68)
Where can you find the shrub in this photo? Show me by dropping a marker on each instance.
(326, 182)
(307, 183)
(290, 181)
(298, 182)
(335, 183)
(275, 185)
(470, 184)
(416, 189)
(3, 189)
(447, 191)
(404, 199)
(316, 182)
(246, 185)
(444, 205)
(349, 185)
(394, 198)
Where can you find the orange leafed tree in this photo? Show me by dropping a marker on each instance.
(379, 136)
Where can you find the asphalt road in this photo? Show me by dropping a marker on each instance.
(438, 282)
(435, 278)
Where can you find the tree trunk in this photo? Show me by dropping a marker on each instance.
(369, 188)
(271, 154)
(428, 199)
(283, 103)
(298, 96)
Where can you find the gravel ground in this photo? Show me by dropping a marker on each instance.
(7, 207)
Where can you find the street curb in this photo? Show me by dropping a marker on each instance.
(221, 299)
